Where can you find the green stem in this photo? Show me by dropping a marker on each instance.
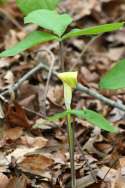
(71, 150)
(61, 56)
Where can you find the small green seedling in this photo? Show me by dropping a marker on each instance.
(69, 80)
(56, 25)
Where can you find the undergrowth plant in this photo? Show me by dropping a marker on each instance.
(53, 27)
(69, 80)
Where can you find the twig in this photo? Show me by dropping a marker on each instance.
(84, 157)
(100, 97)
(49, 76)
(21, 80)
(79, 87)
(82, 152)
(10, 17)
(89, 44)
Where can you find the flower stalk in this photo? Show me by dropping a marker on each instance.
(69, 80)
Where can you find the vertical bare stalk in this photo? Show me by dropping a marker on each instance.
(71, 139)
(61, 56)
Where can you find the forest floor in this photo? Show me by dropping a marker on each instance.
(34, 154)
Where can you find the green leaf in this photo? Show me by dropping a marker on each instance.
(3, 1)
(29, 41)
(50, 20)
(114, 78)
(57, 116)
(94, 30)
(28, 6)
(95, 119)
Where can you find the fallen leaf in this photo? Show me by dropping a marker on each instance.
(36, 163)
(18, 182)
(38, 142)
(19, 153)
(13, 133)
(3, 180)
(9, 78)
(15, 116)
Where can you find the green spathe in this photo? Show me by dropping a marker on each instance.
(69, 78)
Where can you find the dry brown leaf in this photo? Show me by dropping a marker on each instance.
(13, 133)
(55, 94)
(82, 9)
(19, 153)
(116, 53)
(39, 142)
(3, 180)
(9, 78)
(103, 171)
(36, 163)
(88, 76)
(18, 182)
(15, 115)
(119, 181)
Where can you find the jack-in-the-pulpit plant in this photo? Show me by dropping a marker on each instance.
(69, 80)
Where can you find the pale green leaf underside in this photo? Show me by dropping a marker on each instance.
(29, 41)
(94, 30)
(50, 20)
(28, 6)
(114, 78)
(95, 119)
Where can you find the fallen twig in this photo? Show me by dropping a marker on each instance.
(80, 87)
(102, 98)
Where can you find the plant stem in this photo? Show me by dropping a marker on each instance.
(71, 150)
(61, 55)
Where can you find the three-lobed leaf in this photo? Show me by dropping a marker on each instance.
(50, 20)
(115, 78)
(94, 30)
(95, 119)
(34, 38)
(28, 6)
